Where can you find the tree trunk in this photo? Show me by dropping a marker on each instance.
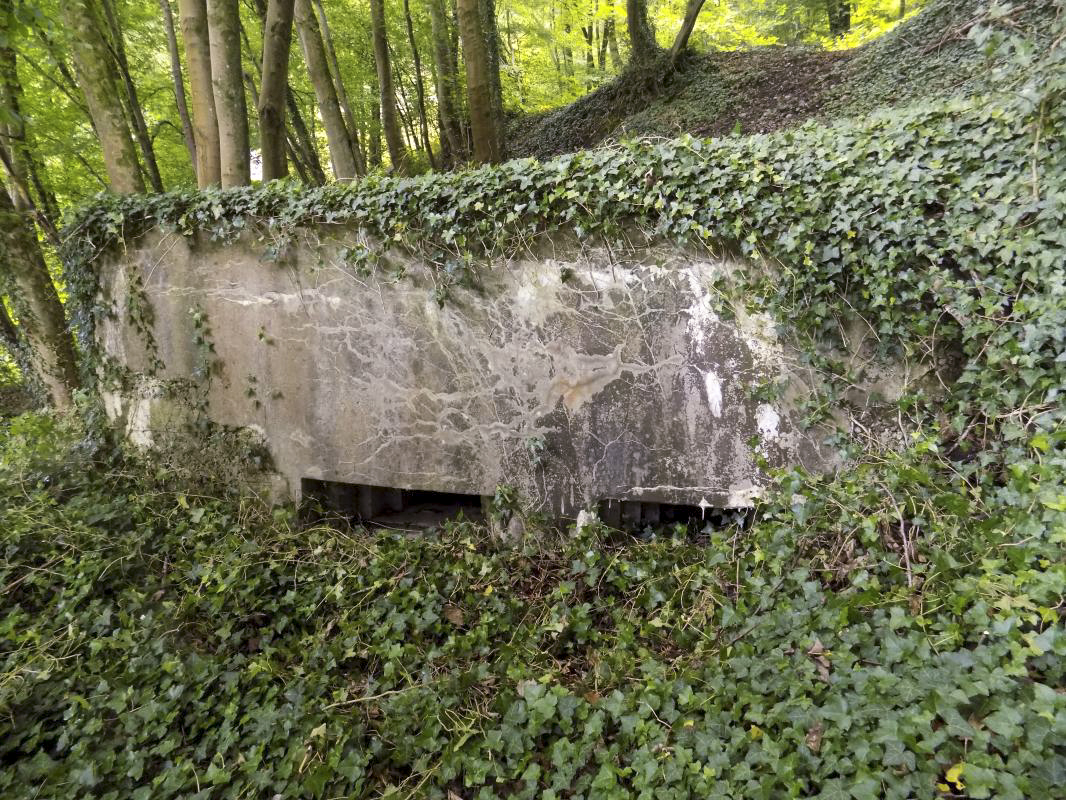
(91, 62)
(193, 15)
(342, 93)
(568, 52)
(590, 59)
(601, 54)
(297, 160)
(478, 84)
(420, 87)
(37, 304)
(447, 80)
(303, 137)
(140, 128)
(179, 84)
(277, 33)
(491, 34)
(692, 12)
(340, 146)
(839, 14)
(227, 86)
(611, 34)
(403, 105)
(375, 133)
(642, 46)
(18, 155)
(298, 142)
(386, 90)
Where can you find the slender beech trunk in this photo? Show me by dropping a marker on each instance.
(303, 137)
(601, 53)
(478, 83)
(838, 13)
(227, 86)
(692, 11)
(193, 15)
(298, 142)
(408, 133)
(179, 85)
(140, 127)
(359, 143)
(568, 51)
(447, 80)
(386, 89)
(93, 68)
(342, 93)
(446, 156)
(16, 152)
(375, 133)
(277, 34)
(340, 145)
(420, 87)
(297, 160)
(37, 304)
(587, 32)
(642, 46)
(403, 103)
(491, 33)
(611, 35)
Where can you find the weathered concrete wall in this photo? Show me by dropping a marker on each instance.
(575, 376)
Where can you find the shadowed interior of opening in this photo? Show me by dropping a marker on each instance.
(635, 515)
(388, 507)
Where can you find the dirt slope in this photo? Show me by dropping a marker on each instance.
(764, 89)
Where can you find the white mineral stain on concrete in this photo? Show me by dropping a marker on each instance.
(743, 495)
(700, 314)
(536, 298)
(112, 404)
(714, 392)
(139, 427)
(767, 421)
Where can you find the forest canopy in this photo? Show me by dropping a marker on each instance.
(548, 55)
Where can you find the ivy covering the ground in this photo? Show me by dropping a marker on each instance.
(895, 631)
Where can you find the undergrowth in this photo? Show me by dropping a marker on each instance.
(159, 644)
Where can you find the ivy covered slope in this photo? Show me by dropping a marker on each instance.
(895, 631)
(762, 89)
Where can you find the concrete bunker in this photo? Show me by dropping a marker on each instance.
(576, 374)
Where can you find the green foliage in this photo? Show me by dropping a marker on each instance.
(166, 645)
(934, 53)
(9, 371)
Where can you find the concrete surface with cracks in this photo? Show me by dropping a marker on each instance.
(573, 373)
